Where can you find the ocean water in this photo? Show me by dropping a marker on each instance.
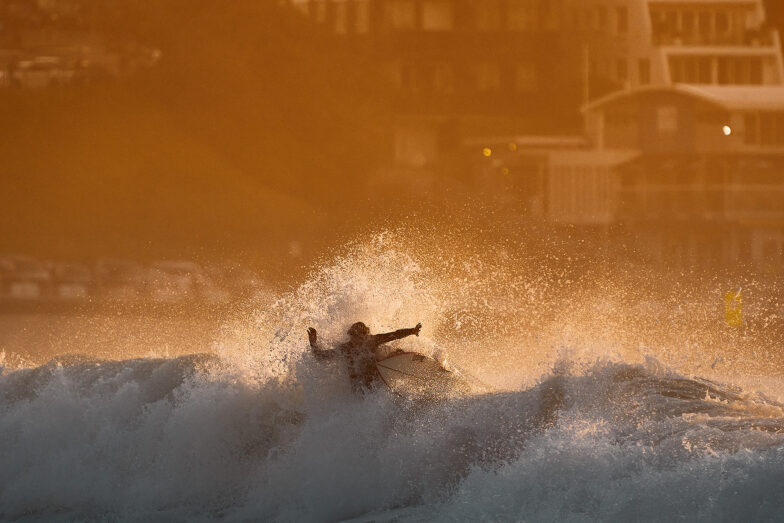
(585, 416)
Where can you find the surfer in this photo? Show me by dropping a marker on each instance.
(360, 352)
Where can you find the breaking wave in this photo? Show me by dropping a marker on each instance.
(258, 430)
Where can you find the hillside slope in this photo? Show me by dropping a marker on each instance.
(241, 135)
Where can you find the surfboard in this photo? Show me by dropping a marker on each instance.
(415, 375)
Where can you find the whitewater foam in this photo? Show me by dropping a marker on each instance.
(596, 417)
(183, 439)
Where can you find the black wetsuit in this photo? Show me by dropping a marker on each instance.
(360, 355)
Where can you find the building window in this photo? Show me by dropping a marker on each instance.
(393, 72)
(319, 11)
(671, 22)
(487, 77)
(780, 129)
(667, 119)
(743, 71)
(548, 15)
(704, 70)
(444, 79)
(722, 21)
(520, 15)
(601, 18)
(400, 14)
(688, 23)
(599, 67)
(680, 70)
(580, 18)
(409, 80)
(726, 71)
(620, 116)
(757, 77)
(751, 124)
(692, 70)
(303, 7)
(437, 15)
(362, 17)
(676, 70)
(704, 20)
(487, 15)
(621, 70)
(526, 77)
(767, 124)
(622, 20)
(644, 71)
(341, 17)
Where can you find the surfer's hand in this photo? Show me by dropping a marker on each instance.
(417, 328)
(312, 336)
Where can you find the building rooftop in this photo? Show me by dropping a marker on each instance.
(529, 141)
(741, 97)
(707, 2)
(761, 98)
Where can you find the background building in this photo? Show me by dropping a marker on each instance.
(706, 185)
(457, 69)
(631, 43)
(683, 156)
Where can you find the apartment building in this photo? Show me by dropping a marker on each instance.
(632, 43)
(705, 185)
(458, 68)
(683, 154)
(683, 106)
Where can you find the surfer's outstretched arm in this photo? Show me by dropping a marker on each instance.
(379, 339)
(318, 352)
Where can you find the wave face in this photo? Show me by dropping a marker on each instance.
(258, 430)
(181, 439)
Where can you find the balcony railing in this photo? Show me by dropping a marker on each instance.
(709, 203)
(758, 38)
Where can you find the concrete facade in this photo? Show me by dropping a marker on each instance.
(457, 69)
(632, 43)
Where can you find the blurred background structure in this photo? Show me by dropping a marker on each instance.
(681, 147)
(266, 131)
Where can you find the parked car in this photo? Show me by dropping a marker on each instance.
(72, 281)
(6, 268)
(120, 280)
(26, 279)
(42, 71)
(174, 281)
(240, 282)
(212, 288)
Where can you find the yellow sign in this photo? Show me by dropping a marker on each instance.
(733, 309)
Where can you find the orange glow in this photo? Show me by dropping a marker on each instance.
(268, 134)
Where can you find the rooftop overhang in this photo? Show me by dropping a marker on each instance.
(720, 50)
(593, 157)
(704, 2)
(730, 98)
(529, 141)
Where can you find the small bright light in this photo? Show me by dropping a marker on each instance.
(505, 171)
(488, 152)
(727, 130)
(513, 147)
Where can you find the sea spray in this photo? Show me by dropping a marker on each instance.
(594, 414)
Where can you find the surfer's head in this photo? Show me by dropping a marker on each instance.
(358, 330)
